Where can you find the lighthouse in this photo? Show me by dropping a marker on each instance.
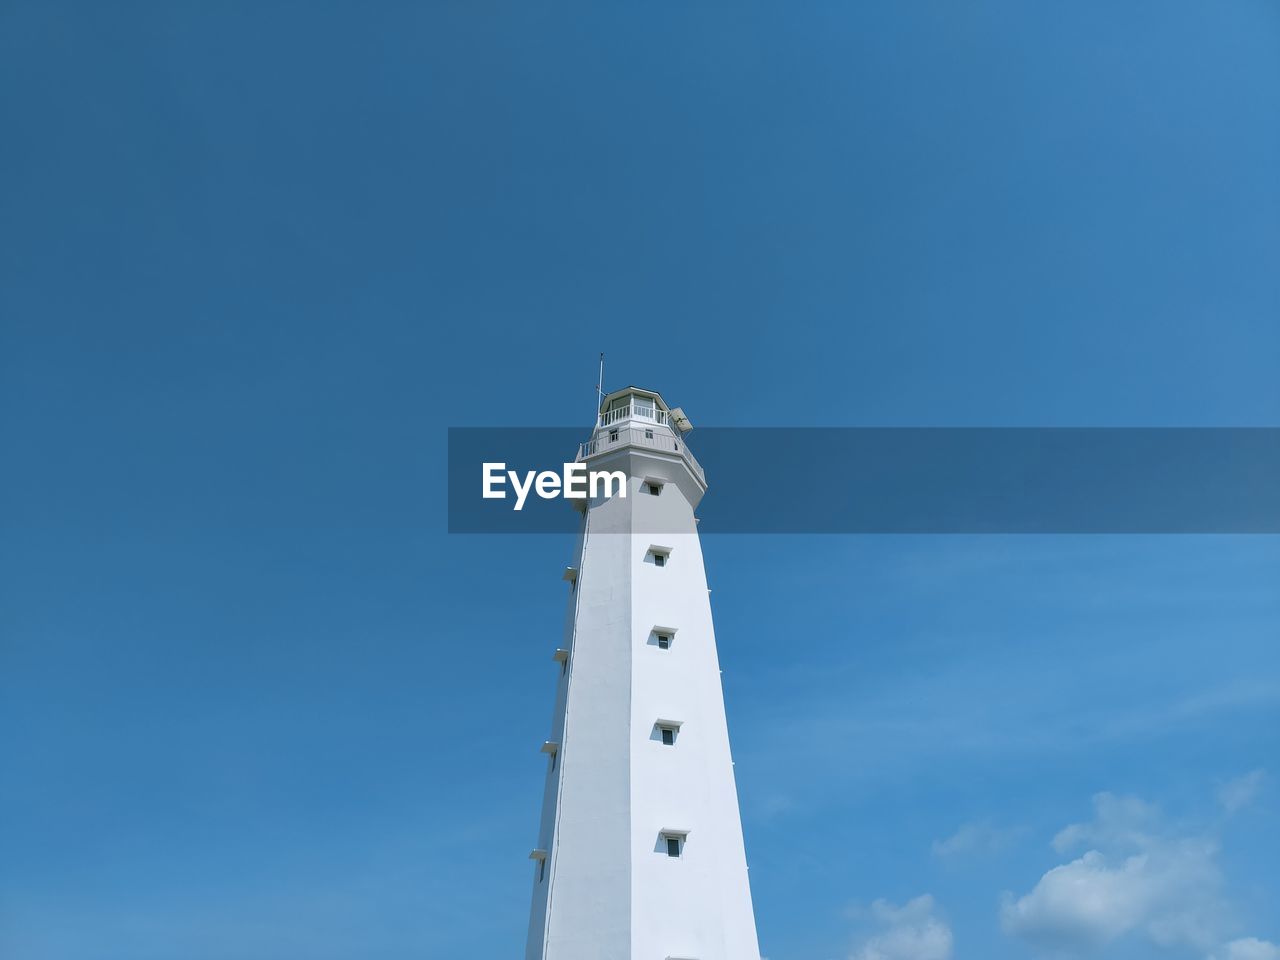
(640, 853)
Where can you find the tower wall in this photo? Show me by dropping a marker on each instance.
(582, 904)
(699, 905)
(610, 891)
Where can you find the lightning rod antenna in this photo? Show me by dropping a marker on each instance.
(600, 389)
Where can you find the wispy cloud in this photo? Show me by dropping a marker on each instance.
(912, 931)
(977, 837)
(1138, 875)
(1235, 795)
(1250, 948)
(919, 722)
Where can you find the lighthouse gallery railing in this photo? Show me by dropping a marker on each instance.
(606, 438)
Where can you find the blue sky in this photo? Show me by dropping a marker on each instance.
(254, 259)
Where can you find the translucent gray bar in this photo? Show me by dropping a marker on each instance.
(920, 480)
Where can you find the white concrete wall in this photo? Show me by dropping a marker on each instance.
(699, 905)
(582, 907)
(611, 892)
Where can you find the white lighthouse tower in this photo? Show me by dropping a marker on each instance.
(640, 853)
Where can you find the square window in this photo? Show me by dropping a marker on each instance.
(613, 436)
(648, 434)
(664, 642)
(655, 488)
(659, 559)
(673, 846)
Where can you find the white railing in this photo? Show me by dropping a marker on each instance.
(634, 411)
(607, 438)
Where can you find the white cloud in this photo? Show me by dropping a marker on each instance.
(909, 932)
(1251, 948)
(1235, 795)
(1126, 822)
(976, 837)
(1137, 875)
(1169, 894)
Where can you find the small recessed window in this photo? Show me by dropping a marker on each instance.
(541, 856)
(664, 641)
(655, 488)
(648, 434)
(659, 559)
(674, 844)
(658, 555)
(613, 436)
(668, 739)
(552, 749)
